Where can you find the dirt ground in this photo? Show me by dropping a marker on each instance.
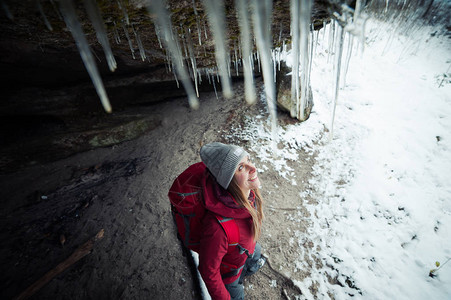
(48, 210)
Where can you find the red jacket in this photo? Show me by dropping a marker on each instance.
(214, 245)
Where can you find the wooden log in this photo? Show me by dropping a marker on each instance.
(78, 254)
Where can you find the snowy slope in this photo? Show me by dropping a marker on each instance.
(382, 181)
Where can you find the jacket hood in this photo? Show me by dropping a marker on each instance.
(219, 201)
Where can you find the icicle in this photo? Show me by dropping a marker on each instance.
(258, 61)
(142, 51)
(280, 32)
(274, 63)
(306, 9)
(167, 58)
(310, 62)
(240, 55)
(199, 34)
(175, 38)
(216, 18)
(236, 57)
(117, 38)
(214, 87)
(295, 34)
(245, 34)
(70, 17)
(338, 52)
(348, 57)
(157, 32)
(46, 21)
(205, 31)
(262, 26)
(129, 40)
(166, 65)
(192, 59)
(185, 50)
(213, 81)
(331, 38)
(194, 7)
(357, 28)
(124, 12)
(56, 10)
(208, 76)
(97, 22)
(176, 80)
(157, 8)
(95, 54)
(6, 10)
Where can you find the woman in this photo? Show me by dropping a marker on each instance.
(230, 190)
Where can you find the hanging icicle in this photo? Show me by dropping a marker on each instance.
(142, 51)
(130, 44)
(216, 19)
(235, 57)
(245, 34)
(117, 38)
(70, 17)
(157, 8)
(157, 32)
(331, 39)
(183, 38)
(295, 38)
(199, 34)
(41, 11)
(192, 58)
(262, 27)
(304, 27)
(124, 11)
(97, 22)
(348, 57)
(310, 51)
(338, 56)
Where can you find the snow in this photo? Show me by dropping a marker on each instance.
(203, 288)
(383, 212)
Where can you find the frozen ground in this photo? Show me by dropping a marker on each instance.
(382, 215)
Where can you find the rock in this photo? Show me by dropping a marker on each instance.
(283, 85)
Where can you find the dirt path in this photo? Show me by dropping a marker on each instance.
(123, 189)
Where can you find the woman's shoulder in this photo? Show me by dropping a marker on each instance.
(211, 228)
(211, 218)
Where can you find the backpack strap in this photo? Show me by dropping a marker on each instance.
(233, 234)
(233, 237)
(231, 229)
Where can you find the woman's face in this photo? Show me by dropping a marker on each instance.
(246, 175)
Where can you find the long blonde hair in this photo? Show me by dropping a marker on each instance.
(256, 213)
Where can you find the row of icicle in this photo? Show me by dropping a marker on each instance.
(251, 14)
(260, 21)
(255, 23)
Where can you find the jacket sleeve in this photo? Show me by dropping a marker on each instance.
(213, 247)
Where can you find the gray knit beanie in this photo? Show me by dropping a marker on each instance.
(222, 160)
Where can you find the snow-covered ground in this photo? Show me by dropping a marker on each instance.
(383, 181)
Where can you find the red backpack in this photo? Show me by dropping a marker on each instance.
(188, 208)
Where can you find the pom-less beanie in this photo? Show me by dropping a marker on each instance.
(222, 160)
